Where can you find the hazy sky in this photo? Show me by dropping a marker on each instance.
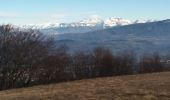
(44, 11)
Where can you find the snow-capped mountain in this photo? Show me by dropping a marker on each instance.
(145, 36)
(111, 22)
(143, 21)
(39, 26)
(89, 24)
(92, 21)
(140, 38)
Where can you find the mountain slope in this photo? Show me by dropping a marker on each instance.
(154, 86)
(141, 38)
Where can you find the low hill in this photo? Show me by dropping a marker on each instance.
(154, 86)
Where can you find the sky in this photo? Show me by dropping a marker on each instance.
(57, 11)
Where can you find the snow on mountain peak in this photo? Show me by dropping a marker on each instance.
(39, 26)
(116, 22)
(93, 21)
(90, 22)
(143, 21)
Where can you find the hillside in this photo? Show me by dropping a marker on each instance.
(141, 38)
(154, 86)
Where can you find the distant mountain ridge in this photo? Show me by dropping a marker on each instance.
(89, 24)
(140, 38)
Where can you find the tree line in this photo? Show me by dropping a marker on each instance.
(29, 58)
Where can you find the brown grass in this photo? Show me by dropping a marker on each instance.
(154, 86)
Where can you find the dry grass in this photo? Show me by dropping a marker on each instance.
(154, 86)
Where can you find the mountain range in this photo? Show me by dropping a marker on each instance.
(89, 24)
(139, 38)
(117, 34)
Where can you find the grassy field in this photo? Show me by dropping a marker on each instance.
(154, 86)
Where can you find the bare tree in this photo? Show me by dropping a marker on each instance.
(20, 54)
(151, 63)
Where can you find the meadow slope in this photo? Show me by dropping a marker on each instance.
(155, 86)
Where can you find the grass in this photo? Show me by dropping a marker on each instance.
(155, 86)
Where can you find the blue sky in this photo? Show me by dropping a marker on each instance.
(44, 11)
